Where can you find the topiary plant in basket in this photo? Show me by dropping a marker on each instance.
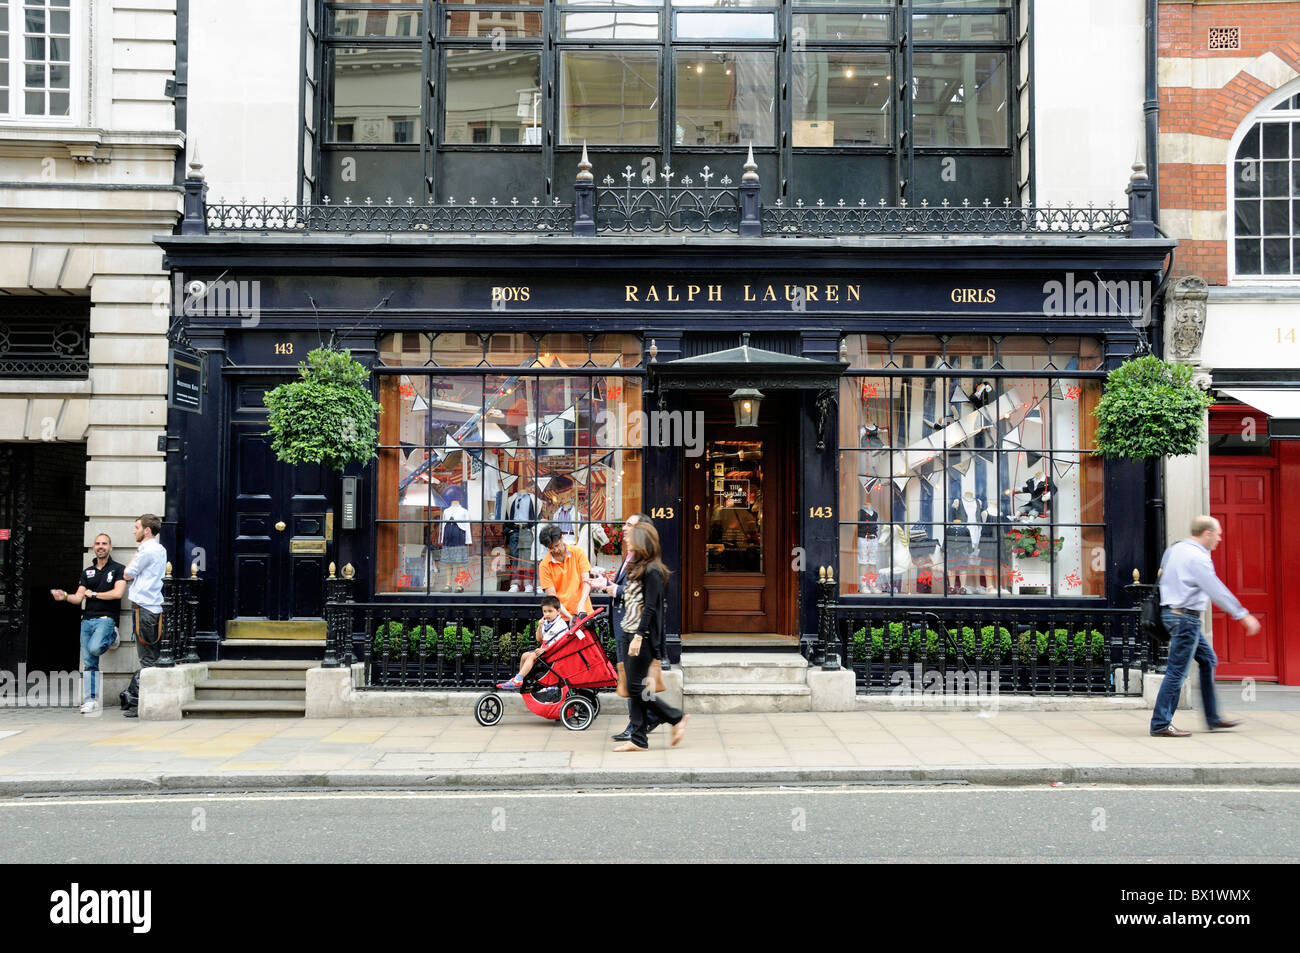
(328, 416)
(1150, 408)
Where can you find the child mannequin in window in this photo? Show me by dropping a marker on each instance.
(456, 539)
(868, 547)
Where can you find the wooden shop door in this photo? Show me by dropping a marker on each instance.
(1241, 499)
(737, 528)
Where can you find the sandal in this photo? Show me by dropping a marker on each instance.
(629, 746)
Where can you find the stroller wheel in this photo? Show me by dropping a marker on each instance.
(577, 713)
(488, 709)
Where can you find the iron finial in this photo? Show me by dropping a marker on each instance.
(584, 166)
(751, 167)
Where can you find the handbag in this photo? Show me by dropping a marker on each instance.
(655, 676)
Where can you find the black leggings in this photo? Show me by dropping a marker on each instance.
(644, 706)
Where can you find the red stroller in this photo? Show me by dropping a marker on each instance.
(564, 680)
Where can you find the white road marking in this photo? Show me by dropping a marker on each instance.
(40, 801)
(6, 734)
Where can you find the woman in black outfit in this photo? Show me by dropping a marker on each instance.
(643, 615)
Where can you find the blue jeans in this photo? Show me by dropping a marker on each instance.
(1186, 641)
(96, 637)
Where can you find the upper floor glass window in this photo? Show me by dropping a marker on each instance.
(35, 58)
(1266, 195)
(424, 85)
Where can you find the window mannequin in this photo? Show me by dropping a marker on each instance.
(522, 513)
(868, 548)
(966, 517)
(456, 538)
(1039, 489)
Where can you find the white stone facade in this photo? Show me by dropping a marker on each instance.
(81, 200)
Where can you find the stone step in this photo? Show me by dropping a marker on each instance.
(719, 699)
(245, 709)
(250, 689)
(279, 669)
(744, 668)
(309, 629)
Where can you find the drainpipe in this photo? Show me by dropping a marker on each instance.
(176, 441)
(1151, 107)
(1151, 113)
(178, 88)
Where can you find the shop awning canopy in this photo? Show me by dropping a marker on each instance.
(1276, 402)
(746, 366)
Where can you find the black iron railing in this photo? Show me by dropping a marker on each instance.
(669, 204)
(492, 215)
(180, 609)
(823, 218)
(951, 650)
(640, 207)
(460, 645)
(35, 344)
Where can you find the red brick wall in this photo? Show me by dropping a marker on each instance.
(1217, 113)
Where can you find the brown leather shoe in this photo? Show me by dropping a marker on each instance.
(1225, 723)
(1171, 732)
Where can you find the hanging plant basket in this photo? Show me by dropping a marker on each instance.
(327, 417)
(1150, 408)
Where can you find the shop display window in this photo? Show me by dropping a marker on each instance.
(472, 465)
(957, 478)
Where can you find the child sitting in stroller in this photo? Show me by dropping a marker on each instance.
(551, 628)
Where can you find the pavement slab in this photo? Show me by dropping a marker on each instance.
(50, 750)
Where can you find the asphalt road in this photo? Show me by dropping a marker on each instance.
(941, 824)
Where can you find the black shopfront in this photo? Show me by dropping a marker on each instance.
(924, 433)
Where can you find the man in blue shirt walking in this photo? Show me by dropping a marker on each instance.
(1187, 586)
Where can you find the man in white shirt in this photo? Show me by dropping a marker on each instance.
(1188, 585)
(145, 574)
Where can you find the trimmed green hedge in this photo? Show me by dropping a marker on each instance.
(994, 645)
(422, 640)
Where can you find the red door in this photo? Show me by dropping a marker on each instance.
(1241, 499)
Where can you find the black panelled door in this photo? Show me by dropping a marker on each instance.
(281, 550)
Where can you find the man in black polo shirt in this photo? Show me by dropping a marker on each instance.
(100, 597)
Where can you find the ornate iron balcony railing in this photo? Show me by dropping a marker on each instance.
(45, 339)
(512, 216)
(821, 218)
(670, 205)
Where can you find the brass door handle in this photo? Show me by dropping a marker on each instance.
(697, 593)
(697, 520)
(280, 526)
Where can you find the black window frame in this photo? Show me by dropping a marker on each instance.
(901, 47)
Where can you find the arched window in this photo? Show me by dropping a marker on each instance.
(1266, 195)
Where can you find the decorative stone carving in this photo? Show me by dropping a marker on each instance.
(1186, 326)
(825, 404)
